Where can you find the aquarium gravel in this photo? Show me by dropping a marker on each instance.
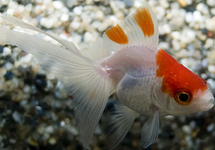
(37, 114)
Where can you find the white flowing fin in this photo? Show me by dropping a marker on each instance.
(119, 124)
(140, 27)
(17, 22)
(83, 79)
(98, 49)
(150, 130)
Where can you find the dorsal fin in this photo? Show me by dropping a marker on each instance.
(140, 27)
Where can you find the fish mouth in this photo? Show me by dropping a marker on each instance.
(212, 101)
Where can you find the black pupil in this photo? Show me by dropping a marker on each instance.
(183, 97)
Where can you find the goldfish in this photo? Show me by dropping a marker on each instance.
(126, 61)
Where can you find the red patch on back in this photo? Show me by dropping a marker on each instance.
(117, 35)
(144, 21)
(176, 77)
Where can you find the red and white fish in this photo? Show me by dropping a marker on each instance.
(147, 80)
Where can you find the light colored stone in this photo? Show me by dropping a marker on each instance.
(48, 22)
(202, 8)
(164, 45)
(210, 127)
(209, 43)
(6, 51)
(205, 62)
(26, 59)
(160, 12)
(78, 10)
(186, 129)
(210, 24)
(166, 28)
(211, 68)
(189, 17)
(17, 117)
(211, 3)
(164, 3)
(57, 4)
(27, 89)
(100, 15)
(49, 129)
(129, 3)
(88, 37)
(175, 44)
(64, 17)
(9, 66)
(213, 11)
(212, 83)
(201, 36)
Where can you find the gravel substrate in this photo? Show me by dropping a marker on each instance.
(35, 112)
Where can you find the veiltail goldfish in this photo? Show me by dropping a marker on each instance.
(146, 79)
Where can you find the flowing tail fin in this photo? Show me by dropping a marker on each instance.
(89, 87)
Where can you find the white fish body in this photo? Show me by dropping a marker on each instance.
(146, 79)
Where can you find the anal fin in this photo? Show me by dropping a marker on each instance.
(150, 130)
(119, 125)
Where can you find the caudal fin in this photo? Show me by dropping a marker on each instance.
(89, 88)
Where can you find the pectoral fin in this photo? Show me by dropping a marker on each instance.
(150, 130)
(119, 125)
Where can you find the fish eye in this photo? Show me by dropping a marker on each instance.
(183, 97)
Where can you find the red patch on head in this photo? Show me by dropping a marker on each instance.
(144, 21)
(176, 77)
(117, 35)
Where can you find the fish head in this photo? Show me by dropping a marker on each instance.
(186, 101)
(185, 91)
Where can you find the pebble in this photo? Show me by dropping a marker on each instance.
(210, 24)
(201, 36)
(47, 22)
(9, 66)
(64, 17)
(164, 45)
(211, 68)
(166, 28)
(100, 15)
(209, 43)
(71, 3)
(129, 3)
(52, 140)
(8, 75)
(210, 127)
(62, 123)
(211, 3)
(189, 17)
(17, 117)
(26, 59)
(186, 129)
(27, 89)
(160, 12)
(192, 125)
(205, 62)
(6, 51)
(57, 4)
(78, 10)
(202, 8)
(175, 44)
(184, 3)
(49, 129)
(212, 83)
(75, 25)
(164, 4)
(88, 37)
(213, 11)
